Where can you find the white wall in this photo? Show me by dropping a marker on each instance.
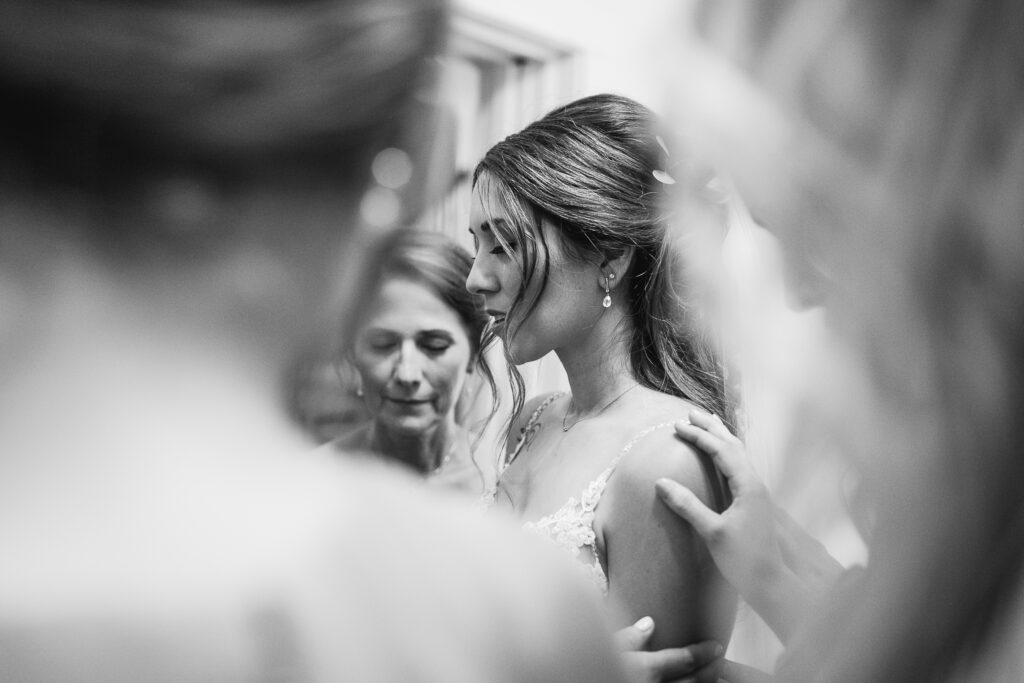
(619, 41)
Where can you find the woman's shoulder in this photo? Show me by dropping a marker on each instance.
(661, 453)
(630, 503)
(655, 451)
(657, 405)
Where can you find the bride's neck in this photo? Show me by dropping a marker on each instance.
(598, 368)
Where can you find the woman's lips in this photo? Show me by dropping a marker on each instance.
(409, 401)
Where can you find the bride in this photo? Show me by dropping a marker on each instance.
(572, 257)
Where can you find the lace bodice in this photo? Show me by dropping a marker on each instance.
(571, 527)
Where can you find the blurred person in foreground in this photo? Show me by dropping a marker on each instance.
(883, 142)
(177, 181)
(415, 349)
(322, 396)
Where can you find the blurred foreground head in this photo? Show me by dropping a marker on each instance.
(216, 153)
(883, 142)
(179, 181)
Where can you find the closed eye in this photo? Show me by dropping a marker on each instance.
(380, 340)
(435, 342)
(435, 345)
(504, 250)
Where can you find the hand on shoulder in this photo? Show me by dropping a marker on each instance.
(768, 558)
(656, 563)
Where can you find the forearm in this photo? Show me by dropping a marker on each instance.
(782, 598)
(797, 578)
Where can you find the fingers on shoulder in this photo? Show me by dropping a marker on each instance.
(686, 505)
(722, 446)
(711, 423)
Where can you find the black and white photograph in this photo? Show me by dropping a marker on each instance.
(494, 341)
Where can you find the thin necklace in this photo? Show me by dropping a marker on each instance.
(608, 405)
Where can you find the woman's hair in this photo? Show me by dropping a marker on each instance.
(587, 168)
(443, 266)
(924, 101)
(104, 98)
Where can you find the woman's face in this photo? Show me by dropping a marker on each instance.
(570, 303)
(412, 354)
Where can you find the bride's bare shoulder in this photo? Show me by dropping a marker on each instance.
(656, 405)
(655, 451)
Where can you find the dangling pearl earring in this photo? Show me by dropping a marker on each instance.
(607, 301)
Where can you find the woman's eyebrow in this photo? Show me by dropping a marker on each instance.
(487, 225)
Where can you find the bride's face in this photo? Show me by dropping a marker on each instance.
(556, 306)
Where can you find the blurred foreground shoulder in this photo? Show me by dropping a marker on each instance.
(426, 589)
(312, 569)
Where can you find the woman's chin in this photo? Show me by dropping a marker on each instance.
(408, 425)
(524, 352)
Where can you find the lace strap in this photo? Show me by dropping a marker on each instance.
(507, 459)
(594, 491)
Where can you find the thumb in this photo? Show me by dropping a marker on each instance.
(684, 503)
(635, 637)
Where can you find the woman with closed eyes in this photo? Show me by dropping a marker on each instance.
(417, 345)
(572, 256)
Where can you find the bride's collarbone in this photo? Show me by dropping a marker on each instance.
(553, 446)
(559, 465)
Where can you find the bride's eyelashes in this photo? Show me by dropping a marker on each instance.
(500, 250)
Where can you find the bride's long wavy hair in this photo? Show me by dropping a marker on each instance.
(587, 168)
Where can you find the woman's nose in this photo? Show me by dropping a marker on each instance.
(409, 369)
(480, 280)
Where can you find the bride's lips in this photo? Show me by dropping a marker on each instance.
(497, 317)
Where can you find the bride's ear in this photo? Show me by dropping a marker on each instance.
(615, 269)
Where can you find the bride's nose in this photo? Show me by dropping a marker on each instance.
(481, 280)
